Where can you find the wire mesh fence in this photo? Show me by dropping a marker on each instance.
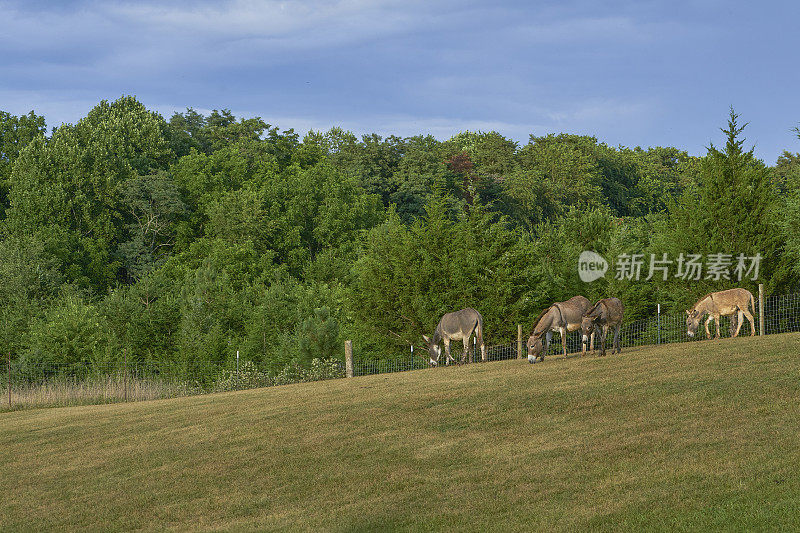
(118, 381)
(781, 314)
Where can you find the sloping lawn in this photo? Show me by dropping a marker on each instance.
(691, 436)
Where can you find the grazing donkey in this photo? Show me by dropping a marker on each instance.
(723, 303)
(456, 326)
(562, 317)
(605, 314)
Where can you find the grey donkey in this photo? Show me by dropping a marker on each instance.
(456, 326)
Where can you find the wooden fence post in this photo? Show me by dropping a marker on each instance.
(348, 358)
(761, 309)
(125, 375)
(519, 341)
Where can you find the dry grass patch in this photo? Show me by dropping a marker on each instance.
(69, 391)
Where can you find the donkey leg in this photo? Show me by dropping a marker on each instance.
(547, 338)
(739, 319)
(479, 337)
(563, 333)
(716, 323)
(752, 320)
(603, 341)
(472, 346)
(591, 342)
(448, 357)
(710, 318)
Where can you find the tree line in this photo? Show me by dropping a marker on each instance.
(188, 239)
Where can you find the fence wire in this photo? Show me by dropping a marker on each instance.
(103, 382)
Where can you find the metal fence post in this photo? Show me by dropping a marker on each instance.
(519, 341)
(761, 309)
(9, 380)
(348, 358)
(658, 324)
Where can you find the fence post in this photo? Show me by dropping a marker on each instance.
(658, 324)
(761, 309)
(9, 380)
(348, 358)
(125, 374)
(519, 341)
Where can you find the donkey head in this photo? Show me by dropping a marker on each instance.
(535, 348)
(434, 350)
(692, 321)
(587, 326)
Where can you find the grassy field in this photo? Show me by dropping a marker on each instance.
(689, 436)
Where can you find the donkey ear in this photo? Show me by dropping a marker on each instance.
(427, 339)
(688, 312)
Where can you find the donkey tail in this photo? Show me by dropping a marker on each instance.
(479, 337)
(479, 329)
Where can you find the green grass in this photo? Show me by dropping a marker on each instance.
(691, 436)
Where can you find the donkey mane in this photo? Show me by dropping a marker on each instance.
(539, 318)
(701, 299)
(592, 310)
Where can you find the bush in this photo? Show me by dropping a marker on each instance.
(250, 377)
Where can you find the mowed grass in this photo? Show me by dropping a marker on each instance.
(689, 436)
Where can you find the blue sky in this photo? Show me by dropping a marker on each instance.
(646, 73)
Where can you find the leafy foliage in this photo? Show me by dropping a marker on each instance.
(189, 239)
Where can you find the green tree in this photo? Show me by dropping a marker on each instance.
(29, 285)
(733, 210)
(67, 190)
(152, 207)
(553, 174)
(407, 277)
(71, 332)
(16, 132)
(787, 174)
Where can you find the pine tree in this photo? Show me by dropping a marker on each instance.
(736, 196)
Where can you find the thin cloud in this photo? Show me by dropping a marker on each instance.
(628, 72)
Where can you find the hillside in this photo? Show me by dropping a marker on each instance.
(687, 436)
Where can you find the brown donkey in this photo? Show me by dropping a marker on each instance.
(562, 317)
(606, 313)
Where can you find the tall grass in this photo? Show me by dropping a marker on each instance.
(104, 385)
(59, 391)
